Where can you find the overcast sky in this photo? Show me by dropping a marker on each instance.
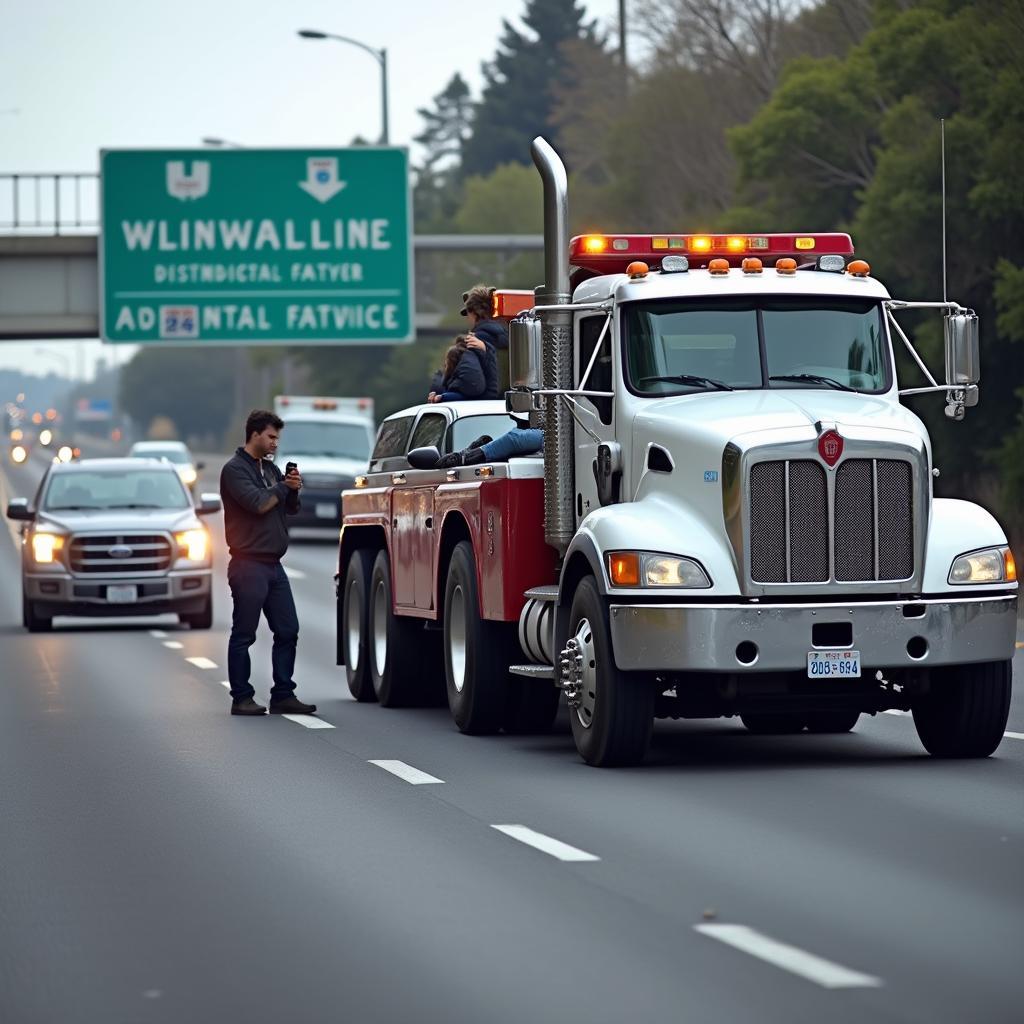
(80, 75)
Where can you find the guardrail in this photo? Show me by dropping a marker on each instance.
(49, 204)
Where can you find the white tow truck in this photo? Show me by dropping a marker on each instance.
(732, 515)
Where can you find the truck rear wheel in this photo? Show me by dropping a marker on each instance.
(476, 651)
(965, 711)
(354, 625)
(393, 641)
(614, 716)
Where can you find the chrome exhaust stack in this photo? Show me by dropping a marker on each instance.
(559, 525)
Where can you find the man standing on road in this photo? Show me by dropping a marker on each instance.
(257, 496)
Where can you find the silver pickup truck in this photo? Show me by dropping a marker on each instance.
(114, 537)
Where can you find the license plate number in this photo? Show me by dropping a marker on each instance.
(122, 595)
(833, 664)
(325, 510)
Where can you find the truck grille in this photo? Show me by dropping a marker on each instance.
(150, 552)
(872, 527)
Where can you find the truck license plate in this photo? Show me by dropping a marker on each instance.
(122, 595)
(833, 664)
(326, 510)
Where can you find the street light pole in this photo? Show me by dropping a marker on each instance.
(213, 140)
(380, 56)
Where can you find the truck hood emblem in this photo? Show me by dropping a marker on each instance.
(120, 551)
(830, 447)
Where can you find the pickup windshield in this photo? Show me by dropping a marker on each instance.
(677, 347)
(85, 490)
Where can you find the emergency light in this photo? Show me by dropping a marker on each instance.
(610, 254)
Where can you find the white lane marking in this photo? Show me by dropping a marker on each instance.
(294, 574)
(157, 634)
(201, 662)
(1014, 735)
(789, 958)
(173, 645)
(406, 771)
(539, 841)
(225, 684)
(895, 711)
(309, 721)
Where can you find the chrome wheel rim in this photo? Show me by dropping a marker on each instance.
(588, 693)
(353, 626)
(457, 637)
(380, 627)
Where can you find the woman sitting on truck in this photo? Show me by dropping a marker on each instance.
(462, 376)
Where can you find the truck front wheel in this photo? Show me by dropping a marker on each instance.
(476, 651)
(354, 625)
(394, 657)
(612, 712)
(965, 710)
(32, 621)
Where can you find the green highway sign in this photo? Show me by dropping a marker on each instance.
(250, 246)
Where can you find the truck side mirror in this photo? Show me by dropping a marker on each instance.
(18, 508)
(209, 504)
(963, 360)
(424, 458)
(524, 353)
(608, 472)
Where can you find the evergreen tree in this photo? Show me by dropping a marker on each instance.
(523, 82)
(447, 124)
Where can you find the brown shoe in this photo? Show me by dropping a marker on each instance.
(247, 707)
(291, 706)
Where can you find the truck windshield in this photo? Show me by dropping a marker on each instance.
(82, 490)
(340, 440)
(677, 348)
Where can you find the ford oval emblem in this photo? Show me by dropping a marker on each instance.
(120, 551)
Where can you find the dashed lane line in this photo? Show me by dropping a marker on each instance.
(202, 662)
(788, 958)
(406, 771)
(225, 684)
(157, 634)
(895, 711)
(294, 574)
(539, 841)
(1014, 735)
(309, 721)
(173, 645)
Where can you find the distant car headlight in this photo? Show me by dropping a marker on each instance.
(45, 547)
(188, 475)
(18, 454)
(650, 569)
(45, 437)
(65, 453)
(193, 545)
(991, 565)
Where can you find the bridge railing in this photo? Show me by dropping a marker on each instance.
(49, 204)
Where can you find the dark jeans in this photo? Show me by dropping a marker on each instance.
(261, 587)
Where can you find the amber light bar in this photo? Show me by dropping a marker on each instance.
(608, 253)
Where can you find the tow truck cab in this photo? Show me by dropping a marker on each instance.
(733, 514)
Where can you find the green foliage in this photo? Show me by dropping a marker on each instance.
(521, 84)
(509, 200)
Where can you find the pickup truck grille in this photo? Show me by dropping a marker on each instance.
(870, 533)
(149, 552)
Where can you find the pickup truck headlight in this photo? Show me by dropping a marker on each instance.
(990, 565)
(188, 475)
(45, 547)
(193, 545)
(650, 569)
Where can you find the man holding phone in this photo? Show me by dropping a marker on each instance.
(257, 497)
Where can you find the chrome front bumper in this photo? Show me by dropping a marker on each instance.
(170, 588)
(704, 638)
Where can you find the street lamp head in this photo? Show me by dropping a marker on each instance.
(309, 33)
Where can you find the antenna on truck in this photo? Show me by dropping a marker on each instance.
(942, 148)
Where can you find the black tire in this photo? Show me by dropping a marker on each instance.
(618, 729)
(774, 725)
(393, 641)
(965, 711)
(354, 625)
(476, 651)
(32, 620)
(202, 619)
(824, 722)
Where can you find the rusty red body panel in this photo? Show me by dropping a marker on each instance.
(505, 522)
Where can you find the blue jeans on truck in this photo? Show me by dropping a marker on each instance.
(261, 587)
(524, 441)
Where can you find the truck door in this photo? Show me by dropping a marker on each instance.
(595, 413)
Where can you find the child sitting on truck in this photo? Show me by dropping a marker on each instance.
(462, 376)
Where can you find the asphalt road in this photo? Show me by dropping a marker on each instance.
(163, 861)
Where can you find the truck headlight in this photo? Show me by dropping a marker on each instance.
(188, 475)
(991, 565)
(193, 545)
(45, 547)
(650, 569)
